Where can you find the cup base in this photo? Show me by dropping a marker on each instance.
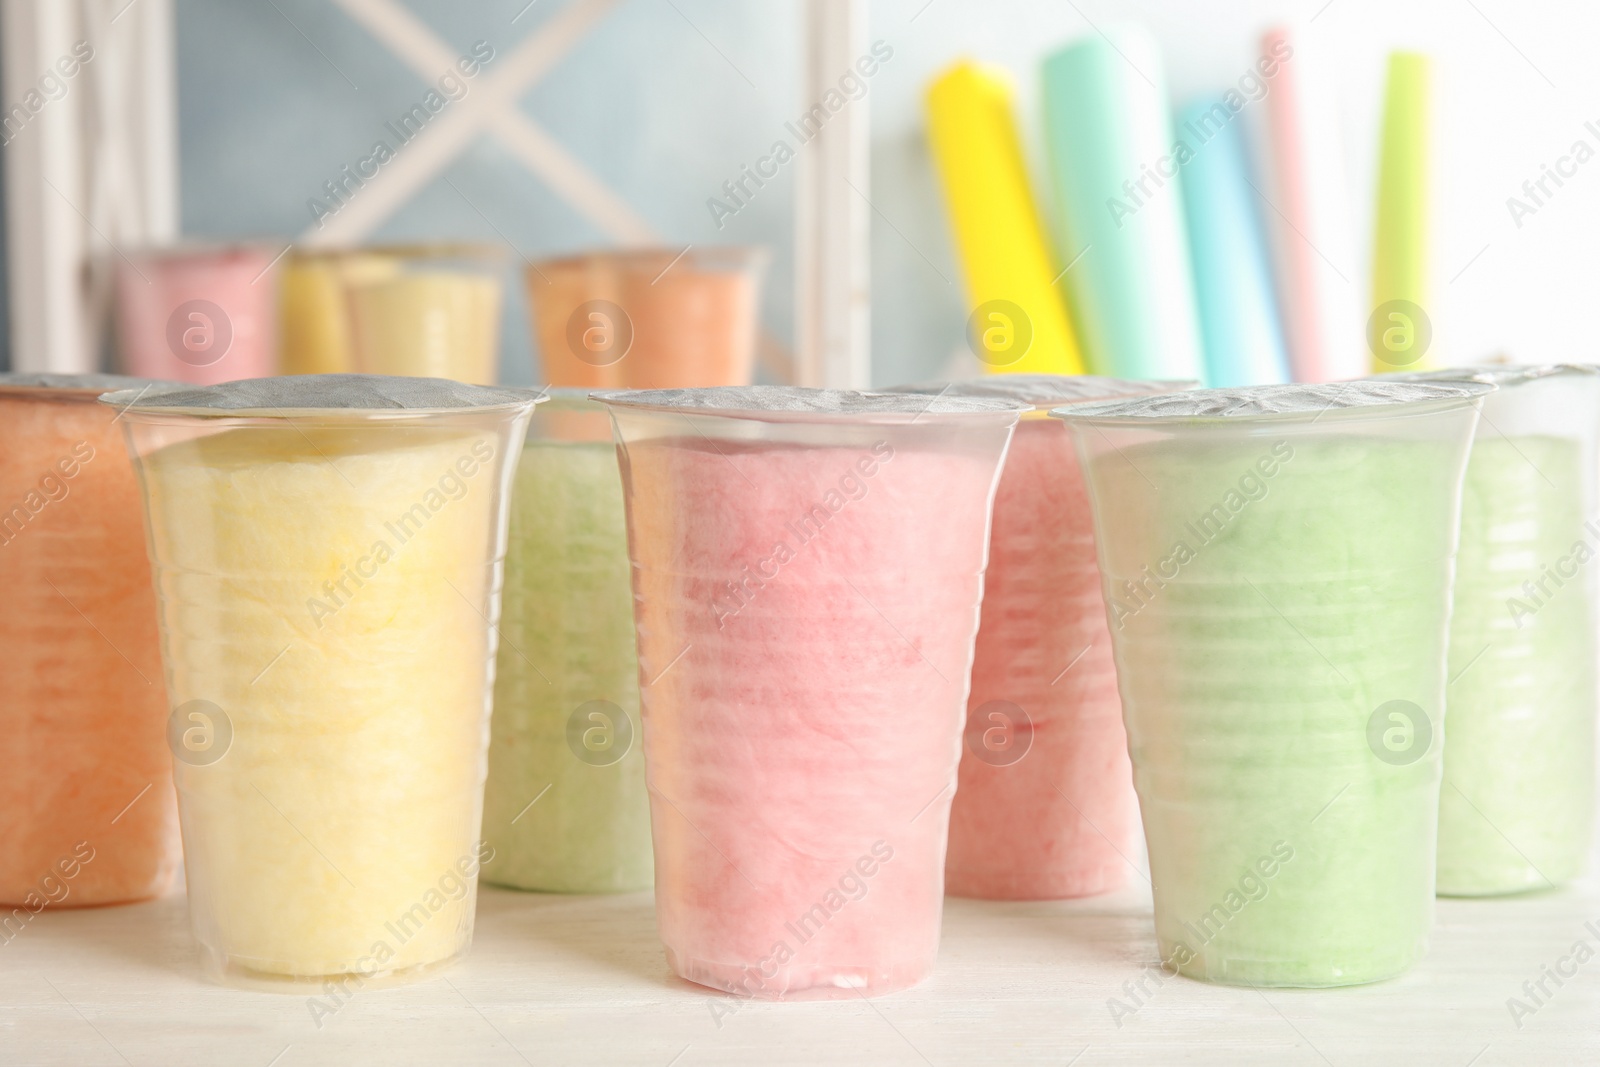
(982, 886)
(797, 983)
(240, 973)
(1490, 888)
(539, 885)
(1297, 974)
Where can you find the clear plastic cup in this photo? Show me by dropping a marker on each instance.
(1046, 808)
(807, 569)
(436, 316)
(87, 812)
(1277, 563)
(328, 555)
(565, 807)
(1516, 811)
(197, 313)
(313, 313)
(648, 319)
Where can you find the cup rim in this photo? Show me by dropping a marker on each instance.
(487, 251)
(1045, 391)
(1497, 374)
(758, 403)
(93, 385)
(725, 259)
(1298, 403)
(187, 401)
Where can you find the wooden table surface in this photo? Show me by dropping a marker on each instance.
(580, 980)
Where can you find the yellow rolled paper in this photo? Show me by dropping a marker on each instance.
(972, 128)
(1399, 331)
(314, 332)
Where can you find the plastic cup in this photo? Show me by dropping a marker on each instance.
(807, 568)
(648, 319)
(327, 554)
(1046, 808)
(198, 314)
(1517, 807)
(565, 807)
(1277, 565)
(314, 316)
(87, 813)
(437, 316)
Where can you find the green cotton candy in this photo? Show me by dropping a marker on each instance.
(1268, 594)
(1515, 810)
(558, 822)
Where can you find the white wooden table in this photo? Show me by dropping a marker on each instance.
(579, 980)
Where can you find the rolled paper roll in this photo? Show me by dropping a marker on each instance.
(1120, 219)
(1232, 275)
(1309, 215)
(1399, 328)
(972, 128)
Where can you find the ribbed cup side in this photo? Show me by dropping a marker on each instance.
(350, 795)
(1284, 848)
(83, 721)
(805, 621)
(567, 639)
(1062, 820)
(1517, 808)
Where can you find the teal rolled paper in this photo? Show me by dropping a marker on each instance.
(1239, 323)
(1119, 213)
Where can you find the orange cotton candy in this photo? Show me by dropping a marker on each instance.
(87, 811)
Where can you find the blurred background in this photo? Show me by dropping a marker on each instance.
(604, 124)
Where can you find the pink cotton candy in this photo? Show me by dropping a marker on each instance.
(806, 619)
(1046, 807)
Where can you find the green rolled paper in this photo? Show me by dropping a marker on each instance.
(1516, 810)
(1120, 214)
(565, 807)
(1277, 565)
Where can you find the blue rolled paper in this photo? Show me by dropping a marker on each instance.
(1232, 274)
(1119, 218)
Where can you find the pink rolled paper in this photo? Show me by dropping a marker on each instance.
(1309, 216)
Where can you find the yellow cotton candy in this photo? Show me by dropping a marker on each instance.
(314, 329)
(431, 324)
(326, 589)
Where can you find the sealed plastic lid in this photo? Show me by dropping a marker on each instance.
(320, 394)
(1497, 374)
(790, 403)
(1327, 399)
(1047, 390)
(77, 383)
